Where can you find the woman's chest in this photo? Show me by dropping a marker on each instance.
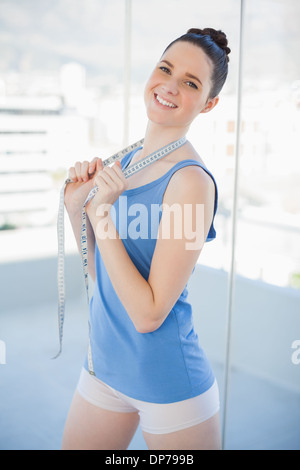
(149, 174)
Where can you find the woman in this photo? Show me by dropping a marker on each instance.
(148, 364)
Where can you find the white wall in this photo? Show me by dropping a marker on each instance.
(266, 321)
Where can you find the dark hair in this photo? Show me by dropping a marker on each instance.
(214, 43)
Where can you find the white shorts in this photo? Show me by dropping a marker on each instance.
(155, 418)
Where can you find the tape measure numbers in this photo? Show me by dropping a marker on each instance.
(131, 170)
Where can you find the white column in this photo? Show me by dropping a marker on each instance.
(127, 67)
(234, 225)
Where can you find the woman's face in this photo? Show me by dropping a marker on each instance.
(178, 89)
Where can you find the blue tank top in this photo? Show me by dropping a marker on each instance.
(168, 364)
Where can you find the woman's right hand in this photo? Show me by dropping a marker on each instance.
(82, 175)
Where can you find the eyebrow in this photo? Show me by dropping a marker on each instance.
(187, 74)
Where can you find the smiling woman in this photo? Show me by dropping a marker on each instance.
(190, 78)
(171, 88)
(148, 365)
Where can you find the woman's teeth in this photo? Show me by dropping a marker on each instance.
(164, 102)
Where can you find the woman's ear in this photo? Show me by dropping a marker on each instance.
(210, 105)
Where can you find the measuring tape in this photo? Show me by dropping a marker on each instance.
(131, 170)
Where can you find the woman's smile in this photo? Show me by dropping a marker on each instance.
(163, 102)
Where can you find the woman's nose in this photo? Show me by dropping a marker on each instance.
(171, 87)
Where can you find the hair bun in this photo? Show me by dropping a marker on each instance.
(218, 37)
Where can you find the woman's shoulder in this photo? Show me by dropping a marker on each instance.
(190, 183)
(193, 169)
(190, 175)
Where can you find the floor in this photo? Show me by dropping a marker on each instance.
(35, 391)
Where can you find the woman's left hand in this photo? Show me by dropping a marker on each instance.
(111, 184)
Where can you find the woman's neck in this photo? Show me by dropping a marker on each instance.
(157, 137)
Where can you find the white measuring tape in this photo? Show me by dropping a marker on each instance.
(131, 170)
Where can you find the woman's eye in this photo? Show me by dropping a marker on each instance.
(165, 69)
(192, 85)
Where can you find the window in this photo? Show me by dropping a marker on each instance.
(62, 74)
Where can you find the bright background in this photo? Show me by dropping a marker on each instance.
(71, 87)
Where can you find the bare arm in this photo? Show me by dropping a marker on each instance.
(148, 303)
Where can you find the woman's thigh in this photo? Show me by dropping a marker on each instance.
(203, 436)
(89, 427)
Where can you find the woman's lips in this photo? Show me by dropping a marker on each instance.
(164, 102)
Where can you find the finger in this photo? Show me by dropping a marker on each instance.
(72, 174)
(78, 171)
(100, 165)
(108, 181)
(117, 180)
(103, 182)
(117, 167)
(105, 176)
(93, 166)
(84, 171)
(122, 181)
